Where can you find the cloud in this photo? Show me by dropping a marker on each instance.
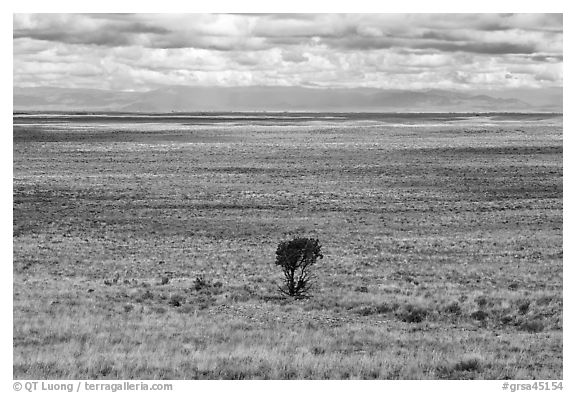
(452, 32)
(82, 29)
(293, 56)
(143, 51)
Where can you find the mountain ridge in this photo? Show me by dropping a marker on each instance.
(272, 98)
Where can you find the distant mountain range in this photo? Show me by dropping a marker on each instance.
(273, 98)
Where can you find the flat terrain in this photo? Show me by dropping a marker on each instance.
(144, 246)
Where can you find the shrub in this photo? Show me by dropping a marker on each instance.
(532, 326)
(461, 368)
(366, 310)
(296, 257)
(176, 300)
(523, 306)
(384, 308)
(479, 315)
(200, 283)
(204, 286)
(411, 313)
(147, 295)
(318, 351)
(481, 301)
(507, 319)
(468, 364)
(453, 308)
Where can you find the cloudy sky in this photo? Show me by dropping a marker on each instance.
(413, 51)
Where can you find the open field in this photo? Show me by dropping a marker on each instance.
(442, 237)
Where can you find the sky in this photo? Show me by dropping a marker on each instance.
(141, 52)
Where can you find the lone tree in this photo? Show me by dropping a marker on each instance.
(295, 257)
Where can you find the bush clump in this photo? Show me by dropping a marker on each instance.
(453, 308)
(176, 300)
(200, 283)
(479, 315)
(411, 313)
(468, 364)
(296, 258)
(532, 326)
(523, 306)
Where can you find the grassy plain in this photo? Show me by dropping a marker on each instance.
(145, 248)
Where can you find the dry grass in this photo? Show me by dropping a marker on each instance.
(150, 255)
